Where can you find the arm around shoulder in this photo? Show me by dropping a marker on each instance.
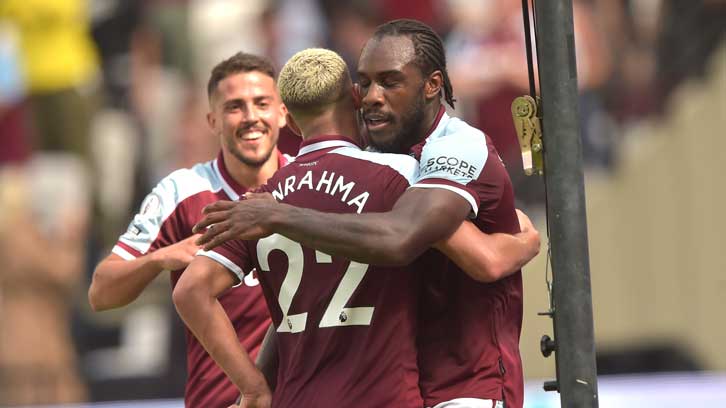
(490, 257)
(419, 218)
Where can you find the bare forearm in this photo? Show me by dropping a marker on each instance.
(419, 219)
(117, 282)
(488, 258)
(369, 238)
(520, 250)
(206, 318)
(512, 253)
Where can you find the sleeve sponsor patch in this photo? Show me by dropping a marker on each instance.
(455, 166)
(454, 161)
(459, 157)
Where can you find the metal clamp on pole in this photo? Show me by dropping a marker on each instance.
(552, 385)
(529, 132)
(547, 345)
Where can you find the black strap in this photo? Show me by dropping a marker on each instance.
(528, 47)
(533, 93)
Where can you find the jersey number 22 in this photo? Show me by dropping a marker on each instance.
(336, 314)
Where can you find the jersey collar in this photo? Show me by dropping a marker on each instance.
(438, 120)
(317, 143)
(234, 189)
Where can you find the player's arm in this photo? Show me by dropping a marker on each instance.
(490, 257)
(420, 217)
(117, 281)
(148, 247)
(195, 298)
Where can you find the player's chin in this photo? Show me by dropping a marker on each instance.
(254, 161)
(383, 140)
(255, 157)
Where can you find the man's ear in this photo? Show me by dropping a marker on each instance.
(211, 121)
(355, 91)
(292, 124)
(433, 85)
(283, 115)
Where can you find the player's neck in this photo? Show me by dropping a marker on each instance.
(330, 124)
(431, 112)
(251, 177)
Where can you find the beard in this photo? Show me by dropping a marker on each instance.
(409, 133)
(255, 162)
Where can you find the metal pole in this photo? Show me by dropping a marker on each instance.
(572, 300)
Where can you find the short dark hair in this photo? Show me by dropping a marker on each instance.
(428, 48)
(240, 62)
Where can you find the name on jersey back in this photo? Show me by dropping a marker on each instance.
(327, 182)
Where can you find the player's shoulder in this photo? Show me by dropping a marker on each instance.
(186, 182)
(455, 130)
(454, 136)
(402, 164)
(455, 150)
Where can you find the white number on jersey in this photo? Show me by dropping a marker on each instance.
(336, 314)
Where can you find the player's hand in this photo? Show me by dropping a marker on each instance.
(179, 255)
(255, 401)
(257, 396)
(529, 233)
(228, 220)
(525, 224)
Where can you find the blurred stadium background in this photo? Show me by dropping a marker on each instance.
(99, 99)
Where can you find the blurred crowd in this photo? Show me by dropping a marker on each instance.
(101, 98)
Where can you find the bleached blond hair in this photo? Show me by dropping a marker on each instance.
(312, 79)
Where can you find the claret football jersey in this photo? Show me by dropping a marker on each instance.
(469, 331)
(346, 330)
(166, 217)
